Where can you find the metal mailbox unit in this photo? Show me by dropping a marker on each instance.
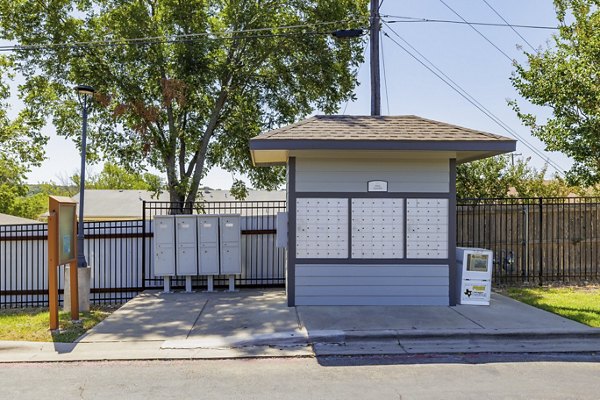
(186, 239)
(474, 273)
(208, 247)
(164, 248)
(231, 246)
(192, 245)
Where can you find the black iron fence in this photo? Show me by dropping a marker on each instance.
(263, 263)
(113, 250)
(535, 240)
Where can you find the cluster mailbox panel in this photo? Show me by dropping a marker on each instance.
(231, 249)
(321, 228)
(208, 244)
(185, 237)
(377, 228)
(164, 245)
(427, 228)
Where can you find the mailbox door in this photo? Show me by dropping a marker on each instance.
(164, 260)
(164, 230)
(187, 259)
(209, 259)
(230, 229)
(208, 230)
(186, 229)
(231, 261)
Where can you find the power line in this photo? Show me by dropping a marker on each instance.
(358, 71)
(463, 93)
(405, 19)
(186, 38)
(509, 25)
(385, 84)
(477, 30)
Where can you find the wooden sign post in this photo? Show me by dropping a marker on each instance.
(62, 249)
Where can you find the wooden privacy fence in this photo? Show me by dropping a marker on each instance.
(535, 240)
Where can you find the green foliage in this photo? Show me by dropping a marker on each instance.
(31, 324)
(115, 177)
(499, 177)
(21, 146)
(566, 78)
(580, 304)
(238, 190)
(183, 106)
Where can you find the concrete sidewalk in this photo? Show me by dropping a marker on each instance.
(254, 323)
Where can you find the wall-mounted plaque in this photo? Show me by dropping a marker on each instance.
(377, 186)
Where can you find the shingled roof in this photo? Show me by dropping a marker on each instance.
(351, 132)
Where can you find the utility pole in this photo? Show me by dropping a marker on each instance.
(512, 158)
(375, 78)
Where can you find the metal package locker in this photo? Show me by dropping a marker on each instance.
(186, 261)
(231, 244)
(208, 244)
(474, 274)
(164, 248)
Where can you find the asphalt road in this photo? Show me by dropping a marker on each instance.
(455, 377)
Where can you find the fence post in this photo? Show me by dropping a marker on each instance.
(541, 223)
(144, 244)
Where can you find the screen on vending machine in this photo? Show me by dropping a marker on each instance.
(477, 262)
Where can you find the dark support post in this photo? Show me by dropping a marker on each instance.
(541, 222)
(144, 244)
(374, 55)
(81, 262)
(85, 94)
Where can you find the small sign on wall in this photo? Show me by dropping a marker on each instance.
(377, 186)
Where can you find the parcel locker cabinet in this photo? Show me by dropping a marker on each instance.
(164, 245)
(208, 245)
(231, 244)
(185, 239)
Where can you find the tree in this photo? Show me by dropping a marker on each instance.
(21, 146)
(500, 177)
(205, 77)
(115, 177)
(566, 78)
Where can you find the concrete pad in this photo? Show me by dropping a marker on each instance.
(504, 313)
(246, 314)
(151, 316)
(382, 318)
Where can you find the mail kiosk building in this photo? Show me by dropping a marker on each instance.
(372, 206)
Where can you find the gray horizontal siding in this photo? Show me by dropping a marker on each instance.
(339, 284)
(371, 280)
(352, 175)
(369, 270)
(372, 301)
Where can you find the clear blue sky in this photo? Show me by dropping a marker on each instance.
(457, 50)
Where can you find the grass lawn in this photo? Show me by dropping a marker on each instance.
(581, 304)
(32, 324)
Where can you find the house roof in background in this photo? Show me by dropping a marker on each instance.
(127, 204)
(6, 219)
(400, 133)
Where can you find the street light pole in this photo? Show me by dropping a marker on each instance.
(84, 94)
